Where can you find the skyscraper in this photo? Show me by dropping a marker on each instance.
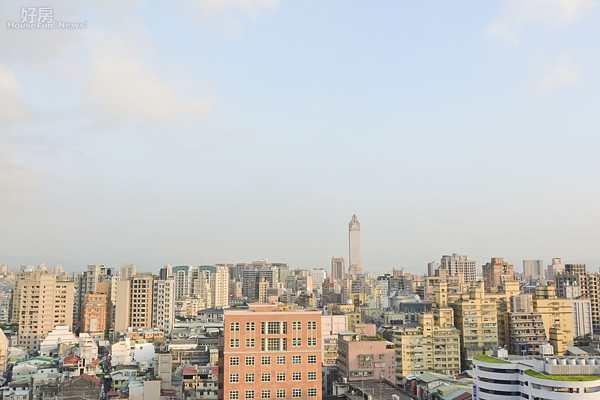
(355, 266)
(495, 272)
(460, 264)
(337, 268)
(533, 271)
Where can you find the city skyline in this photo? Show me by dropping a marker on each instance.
(223, 131)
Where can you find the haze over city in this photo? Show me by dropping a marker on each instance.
(221, 132)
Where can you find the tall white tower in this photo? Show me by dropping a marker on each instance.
(355, 259)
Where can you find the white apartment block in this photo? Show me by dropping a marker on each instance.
(163, 305)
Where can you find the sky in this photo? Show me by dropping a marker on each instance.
(223, 131)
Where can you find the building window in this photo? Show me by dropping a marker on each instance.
(234, 327)
(280, 360)
(296, 325)
(312, 376)
(312, 359)
(312, 392)
(312, 341)
(281, 377)
(234, 395)
(249, 378)
(281, 393)
(249, 360)
(273, 344)
(265, 394)
(265, 360)
(249, 394)
(249, 342)
(296, 393)
(265, 378)
(234, 343)
(296, 359)
(234, 378)
(296, 376)
(274, 328)
(296, 342)
(312, 325)
(249, 326)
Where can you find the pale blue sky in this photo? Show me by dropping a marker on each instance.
(227, 131)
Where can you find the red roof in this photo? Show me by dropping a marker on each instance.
(71, 359)
(85, 376)
(464, 396)
(95, 362)
(190, 371)
(112, 393)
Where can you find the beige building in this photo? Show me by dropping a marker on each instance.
(476, 317)
(525, 327)
(40, 304)
(460, 264)
(426, 347)
(577, 275)
(134, 303)
(432, 344)
(557, 315)
(495, 273)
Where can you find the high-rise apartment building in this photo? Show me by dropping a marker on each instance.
(557, 316)
(533, 271)
(576, 275)
(526, 331)
(427, 347)
(127, 271)
(337, 268)
(270, 353)
(476, 318)
(219, 283)
(355, 260)
(40, 304)
(582, 317)
(495, 273)
(331, 325)
(556, 267)
(460, 264)
(163, 302)
(432, 267)
(134, 303)
(181, 275)
(93, 276)
(5, 307)
(94, 313)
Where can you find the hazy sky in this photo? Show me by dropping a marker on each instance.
(214, 131)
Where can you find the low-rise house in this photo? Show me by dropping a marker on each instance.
(82, 387)
(200, 382)
(122, 375)
(15, 394)
(45, 385)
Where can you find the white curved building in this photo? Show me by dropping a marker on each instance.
(554, 378)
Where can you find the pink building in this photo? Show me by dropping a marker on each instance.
(271, 353)
(362, 357)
